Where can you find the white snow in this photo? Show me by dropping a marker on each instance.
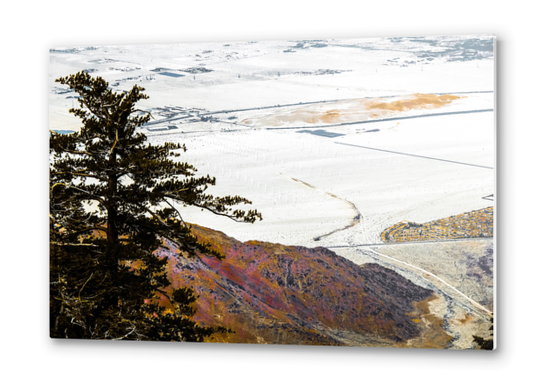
(306, 185)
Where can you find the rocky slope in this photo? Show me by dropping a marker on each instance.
(271, 293)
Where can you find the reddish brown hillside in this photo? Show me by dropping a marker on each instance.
(270, 293)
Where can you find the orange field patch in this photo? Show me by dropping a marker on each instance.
(353, 110)
(418, 101)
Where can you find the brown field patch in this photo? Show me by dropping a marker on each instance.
(477, 223)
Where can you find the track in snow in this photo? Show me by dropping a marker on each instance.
(356, 220)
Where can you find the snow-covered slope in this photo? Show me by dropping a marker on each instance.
(237, 108)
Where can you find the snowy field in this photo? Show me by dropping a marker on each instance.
(332, 140)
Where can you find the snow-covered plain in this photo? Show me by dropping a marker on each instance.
(340, 184)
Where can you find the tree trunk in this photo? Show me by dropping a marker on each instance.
(112, 215)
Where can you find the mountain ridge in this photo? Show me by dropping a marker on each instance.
(278, 294)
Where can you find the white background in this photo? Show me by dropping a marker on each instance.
(30, 29)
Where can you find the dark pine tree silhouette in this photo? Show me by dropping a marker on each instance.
(114, 201)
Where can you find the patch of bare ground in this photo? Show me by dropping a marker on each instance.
(442, 325)
(465, 265)
(430, 313)
(465, 326)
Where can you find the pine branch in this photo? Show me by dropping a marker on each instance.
(80, 174)
(116, 141)
(73, 244)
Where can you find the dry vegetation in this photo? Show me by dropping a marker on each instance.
(466, 225)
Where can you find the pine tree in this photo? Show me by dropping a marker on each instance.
(114, 201)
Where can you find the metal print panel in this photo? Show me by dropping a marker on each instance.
(320, 192)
